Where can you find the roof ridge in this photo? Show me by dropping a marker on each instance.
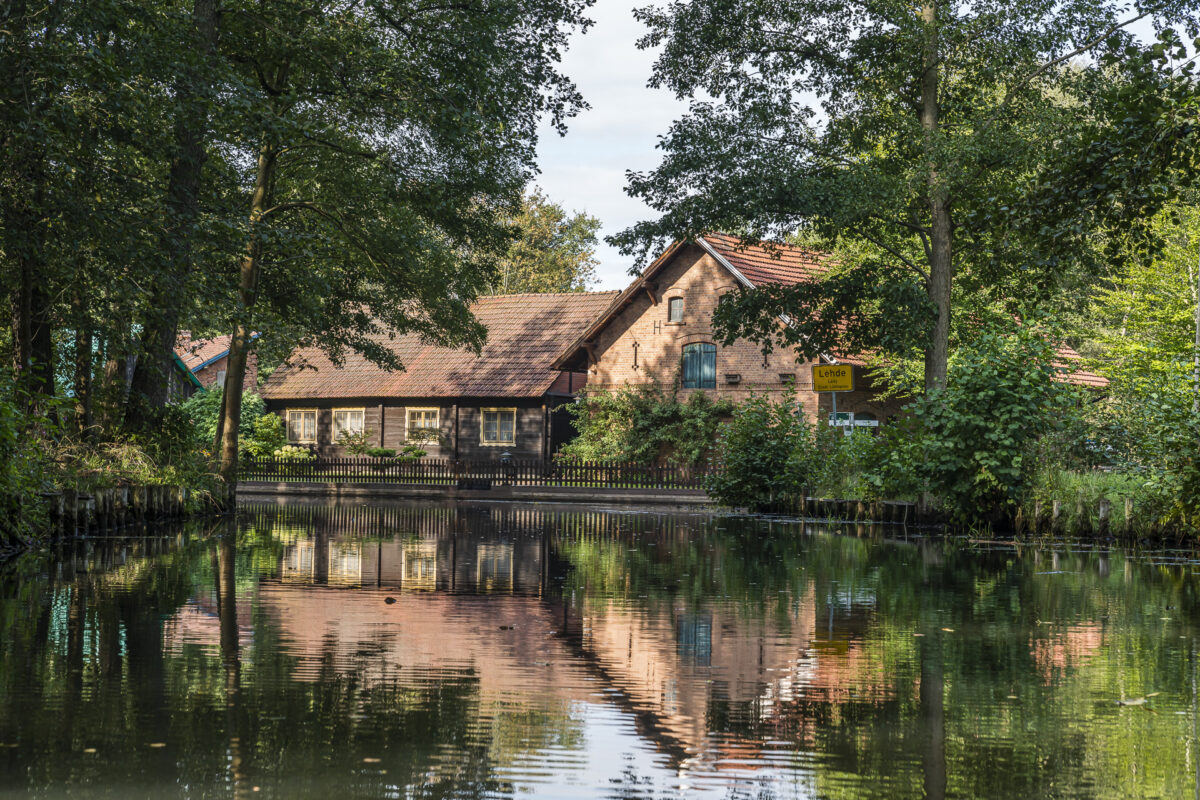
(550, 294)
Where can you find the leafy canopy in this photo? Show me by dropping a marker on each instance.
(554, 251)
(859, 123)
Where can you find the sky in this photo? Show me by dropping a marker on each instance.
(585, 171)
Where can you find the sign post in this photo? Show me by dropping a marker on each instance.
(833, 378)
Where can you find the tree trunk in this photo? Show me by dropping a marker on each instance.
(83, 363)
(235, 371)
(151, 378)
(30, 34)
(110, 394)
(937, 351)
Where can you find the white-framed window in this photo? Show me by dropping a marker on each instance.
(421, 421)
(498, 426)
(675, 309)
(349, 421)
(302, 425)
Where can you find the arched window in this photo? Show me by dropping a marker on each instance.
(700, 366)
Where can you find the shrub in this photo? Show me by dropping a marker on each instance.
(970, 442)
(25, 469)
(645, 424)
(203, 409)
(291, 452)
(426, 436)
(268, 434)
(380, 452)
(356, 444)
(763, 455)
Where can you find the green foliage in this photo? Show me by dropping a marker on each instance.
(762, 455)
(815, 118)
(554, 251)
(204, 409)
(24, 466)
(381, 452)
(769, 454)
(645, 424)
(356, 444)
(969, 443)
(268, 434)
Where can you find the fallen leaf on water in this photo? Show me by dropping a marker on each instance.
(918, 634)
(89, 749)
(1154, 694)
(1135, 702)
(948, 630)
(157, 744)
(1012, 697)
(370, 760)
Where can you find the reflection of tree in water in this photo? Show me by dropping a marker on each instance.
(934, 662)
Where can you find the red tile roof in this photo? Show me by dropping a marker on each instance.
(194, 353)
(1071, 361)
(525, 334)
(775, 263)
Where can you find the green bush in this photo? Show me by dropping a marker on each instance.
(763, 455)
(380, 452)
(203, 409)
(645, 424)
(970, 442)
(25, 465)
(267, 435)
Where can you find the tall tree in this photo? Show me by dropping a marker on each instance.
(911, 129)
(387, 145)
(554, 251)
(193, 90)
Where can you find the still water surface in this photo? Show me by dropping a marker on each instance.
(432, 651)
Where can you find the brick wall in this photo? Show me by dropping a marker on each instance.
(208, 375)
(641, 346)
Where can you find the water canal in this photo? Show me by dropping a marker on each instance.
(503, 650)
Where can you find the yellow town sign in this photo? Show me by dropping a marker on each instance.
(833, 378)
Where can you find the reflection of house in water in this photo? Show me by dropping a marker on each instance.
(448, 563)
(486, 604)
(689, 667)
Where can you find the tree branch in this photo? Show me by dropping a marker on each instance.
(1051, 64)
(907, 262)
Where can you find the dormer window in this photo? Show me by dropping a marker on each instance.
(675, 309)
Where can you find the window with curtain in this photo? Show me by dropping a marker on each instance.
(348, 421)
(302, 426)
(700, 366)
(499, 426)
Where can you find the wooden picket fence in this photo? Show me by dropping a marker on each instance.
(476, 473)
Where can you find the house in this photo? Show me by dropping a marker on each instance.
(452, 402)
(182, 383)
(659, 330)
(207, 359)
